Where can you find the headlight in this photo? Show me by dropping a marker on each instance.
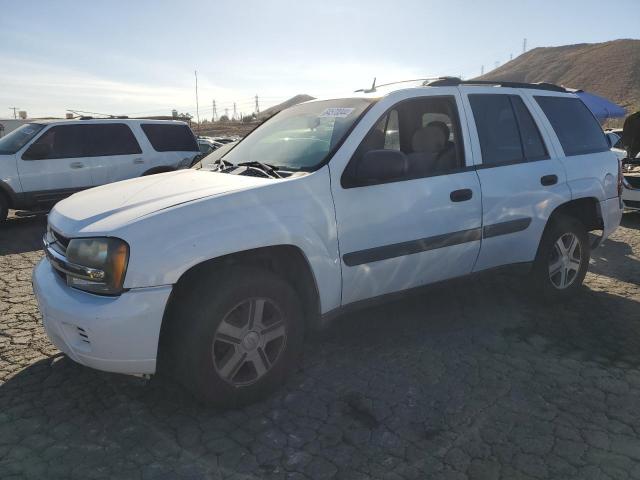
(105, 261)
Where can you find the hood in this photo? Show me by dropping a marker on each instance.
(106, 207)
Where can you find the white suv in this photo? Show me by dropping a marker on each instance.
(43, 162)
(213, 274)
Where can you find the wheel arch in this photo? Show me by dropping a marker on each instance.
(288, 261)
(586, 210)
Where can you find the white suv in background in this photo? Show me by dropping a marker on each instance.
(213, 274)
(43, 162)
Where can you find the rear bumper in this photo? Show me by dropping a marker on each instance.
(114, 334)
(611, 215)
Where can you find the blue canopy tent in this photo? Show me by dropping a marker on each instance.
(602, 108)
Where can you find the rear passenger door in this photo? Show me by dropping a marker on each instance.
(113, 151)
(521, 176)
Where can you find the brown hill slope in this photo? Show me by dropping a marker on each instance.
(610, 69)
(286, 104)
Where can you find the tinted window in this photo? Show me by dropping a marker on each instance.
(497, 129)
(64, 141)
(109, 139)
(532, 143)
(18, 138)
(426, 130)
(574, 124)
(170, 138)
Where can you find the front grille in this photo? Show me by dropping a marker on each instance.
(634, 181)
(60, 240)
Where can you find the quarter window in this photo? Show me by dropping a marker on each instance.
(576, 127)
(506, 130)
(170, 138)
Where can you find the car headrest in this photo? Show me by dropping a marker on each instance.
(428, 139)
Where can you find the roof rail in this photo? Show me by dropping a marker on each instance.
(455, 81)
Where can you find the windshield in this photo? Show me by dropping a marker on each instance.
(300, 137)
(17, 139)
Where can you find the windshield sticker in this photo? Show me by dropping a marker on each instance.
(336, 112)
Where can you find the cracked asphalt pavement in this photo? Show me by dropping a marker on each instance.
(474, 380)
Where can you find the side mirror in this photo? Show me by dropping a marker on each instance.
(37, 151)
(381, 166)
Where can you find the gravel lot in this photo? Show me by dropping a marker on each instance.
(470, 381)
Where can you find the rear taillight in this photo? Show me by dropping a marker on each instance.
(620, 178)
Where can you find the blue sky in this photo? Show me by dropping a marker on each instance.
(138, 56)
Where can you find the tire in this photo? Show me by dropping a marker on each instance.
(559, 272)
(4, 209)
(222, 359)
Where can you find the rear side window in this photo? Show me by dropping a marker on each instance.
(110, 139)
(170, 138)
(506, 130)
(576, 127)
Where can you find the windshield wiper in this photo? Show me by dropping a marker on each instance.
(221, 164)
(265, 167)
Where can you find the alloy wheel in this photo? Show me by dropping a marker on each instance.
(565, 261)
(249, 341)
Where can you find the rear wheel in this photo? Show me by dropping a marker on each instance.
(238, 338)
(562, 260)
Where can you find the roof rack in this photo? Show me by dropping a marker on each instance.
(455, 81)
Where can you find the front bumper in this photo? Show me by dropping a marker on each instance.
(631, 198)
(115, 334)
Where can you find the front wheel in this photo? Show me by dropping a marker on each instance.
(562, 260)
(239, 336)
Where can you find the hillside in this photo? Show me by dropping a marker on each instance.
(286, 104)
(610, 69)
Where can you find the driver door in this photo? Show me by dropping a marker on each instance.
(63, 171)
(418, 229)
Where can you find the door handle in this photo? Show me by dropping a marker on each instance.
(77, 165)
(549, 180)
(138, 160)
(461, 195)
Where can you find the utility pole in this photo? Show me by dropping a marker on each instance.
(524, 45)
(215, 113)
(482, 70)
(510, 56)
(257, 105)
(14, 111)
(197, 106)
(234, 111)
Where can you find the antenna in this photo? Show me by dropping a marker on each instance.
(197, 106)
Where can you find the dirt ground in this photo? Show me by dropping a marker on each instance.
(474, 380)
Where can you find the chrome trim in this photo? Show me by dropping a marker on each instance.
(59, 262)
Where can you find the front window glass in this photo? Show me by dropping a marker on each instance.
(300, 137)
(17, 139)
